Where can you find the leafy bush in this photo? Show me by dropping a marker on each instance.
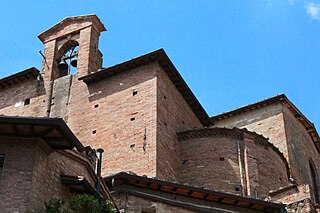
(54, 206)
(80, 203)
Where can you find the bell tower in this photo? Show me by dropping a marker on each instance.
(72, 44)
(70, 52)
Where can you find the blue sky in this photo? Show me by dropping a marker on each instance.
(231, 53)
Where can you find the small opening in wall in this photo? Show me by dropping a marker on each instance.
(165, 97)
(237, 189)
(96, 106)
(182, 122)
(134, 93)
(94, 131)
(27, 101)
(280, 179)
(1, 162)
(185, 161)
(221, 158)
(132, 119)
(132, 146)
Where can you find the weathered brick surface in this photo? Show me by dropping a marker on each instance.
(31, 174)
(267, 121)
(265, 166)
(281, 127)
(134, 115)
(12, 99)
(173, 115)
(60, 97)
(201, 164)
(214, 163)
(16, 176)
(301, 150)
(298, 199)
(119, 119)
(46, 179)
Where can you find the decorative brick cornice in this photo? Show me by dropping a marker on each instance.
(211, 132)
(234, 133)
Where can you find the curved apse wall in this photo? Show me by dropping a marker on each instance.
(232, 160)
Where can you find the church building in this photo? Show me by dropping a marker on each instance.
(162, 151)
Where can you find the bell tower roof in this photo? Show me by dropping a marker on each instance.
(71, 25)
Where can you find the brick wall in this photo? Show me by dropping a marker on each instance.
(266, 168)
(173, 115)
(31, 174)
(114, 114)
(301, 149)
(218, 160)
(267, 121)
(211, 163)
(283, 130)
(16, 176)
(49, 165)
(12, 99)
(298, 199)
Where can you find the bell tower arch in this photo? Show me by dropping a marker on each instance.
(60, 43)
(70, 52)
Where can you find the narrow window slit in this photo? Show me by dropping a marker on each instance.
(27, 101)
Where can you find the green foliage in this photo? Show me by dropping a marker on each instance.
(54, 205)
(80, 203)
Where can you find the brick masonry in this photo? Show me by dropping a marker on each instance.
(37, 169)
(283, 130)
(136, 115)
(116, 119)
(248, 166)
(12, 99)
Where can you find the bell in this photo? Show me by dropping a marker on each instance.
(62, 65)
(74, 61)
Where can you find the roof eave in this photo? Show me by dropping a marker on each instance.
(160, 57)
(310, 128)
(19, 77)
(149, 182)
(56, 123)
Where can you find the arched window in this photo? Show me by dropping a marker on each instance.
(67, 58)
(314, 181)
